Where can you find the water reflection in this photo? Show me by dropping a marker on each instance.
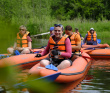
(96, 81)
(37, 43)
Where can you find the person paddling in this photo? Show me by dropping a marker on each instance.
(59, 47)
(23, 43)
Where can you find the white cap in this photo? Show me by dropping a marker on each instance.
(91, 29)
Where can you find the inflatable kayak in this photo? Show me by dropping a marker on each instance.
(95, 46)
(102, 51)
(98, 53)
(24, 61)
(78, 69)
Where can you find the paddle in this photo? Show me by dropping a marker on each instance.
(98, 41)
(16, 52)
(83, 56)
(94, 48)
(51, 66)
(49, 78)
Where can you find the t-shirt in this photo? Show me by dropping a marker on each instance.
(77, 39)
(29, 39)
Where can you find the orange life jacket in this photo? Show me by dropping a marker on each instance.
(60, 45)
(73, 42)
(22, 42)
(89, 36)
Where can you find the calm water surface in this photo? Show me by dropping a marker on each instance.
(96, 81)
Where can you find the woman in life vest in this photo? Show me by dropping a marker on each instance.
(59, 47)
(91, 37)
(75, 42)
(23, 42)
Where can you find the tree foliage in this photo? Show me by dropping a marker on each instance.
(35, 14)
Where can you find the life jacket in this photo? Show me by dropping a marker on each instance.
(22, 42)
(65, 35)
(60, 45)
(73, 42)
(90, 35)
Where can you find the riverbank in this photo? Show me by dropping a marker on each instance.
(101, 27)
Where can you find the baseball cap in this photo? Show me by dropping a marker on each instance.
(51, 28)
(91, 29)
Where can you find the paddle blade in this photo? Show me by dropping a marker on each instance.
(3, 56)
(52, 67)
(90, 48)
(98, 41)
(49, 78)
(16, 52)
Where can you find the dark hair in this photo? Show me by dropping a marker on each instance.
(68, 28)
(76, 28)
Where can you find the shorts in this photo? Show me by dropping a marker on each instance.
(56, 62)
(75, 53)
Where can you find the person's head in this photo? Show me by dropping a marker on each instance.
(58, 30)
(76, 30)
(22, 29)
(68, 30)
(51, 30)
(91, 30)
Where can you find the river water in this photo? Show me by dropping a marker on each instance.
(97, 79)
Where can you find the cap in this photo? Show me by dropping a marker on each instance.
(51, 28)
(91, 29)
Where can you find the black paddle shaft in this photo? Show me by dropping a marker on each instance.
(51, 61)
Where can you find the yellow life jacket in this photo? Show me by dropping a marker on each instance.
(22, 42)
(73, 42)
(90, 35)
(60, 45)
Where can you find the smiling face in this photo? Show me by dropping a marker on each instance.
(58, 32)
(22, 30)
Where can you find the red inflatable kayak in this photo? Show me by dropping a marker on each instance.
(101, 51)
(78, 69)
(25, 61)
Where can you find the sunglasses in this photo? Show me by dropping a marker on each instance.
(58, 25)
(22, 29)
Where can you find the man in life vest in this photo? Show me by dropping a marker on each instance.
(75, 42)
(77, 31)
(91, 37)
(23, 42)
(59, 48)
